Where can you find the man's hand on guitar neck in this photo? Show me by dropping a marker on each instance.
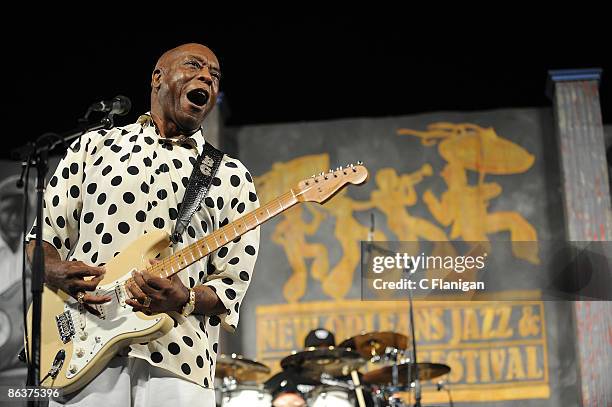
(69, 276)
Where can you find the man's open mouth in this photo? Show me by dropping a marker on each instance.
(198, 97)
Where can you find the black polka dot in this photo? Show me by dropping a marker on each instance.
(91, 188)
(94, 258)
(164, 168)
(231, 165)
(231, 294)
(200, 363)
(53, 181)
(214, 320)
(112, 209)
(215, 345)
(234, 203)
(252, 197)
(75, 215)
(106, 170)
(244, 276)
(173, 213)
(149, 140)
(234, 261)
(123, 228)
(156, 357)
(174, 186)
(228, 281)
(224, 222)
(209, 202)
(248, 177)
(147, 162)
(177, 163)
(162, 194)
(210, 268)
(101, 198)
(188, 341)
(216, 181)
(87, 247)
(223, 252)
(48, 221)
(55, 201)
(191, 232)
(191, 282)
(133, 138)
(93, 151)
(74, 168)
(141, 216)
(116, 180)
(220, 203)
(88, 217)
(125, 158)
(98, 161)
(60, 221)
(65, 173)
(108, 142)
(204, 226)
(186, 369)
(174, 348)
(107, 238)
(74, 191)
(240, 207)
(236, 240)
(250, 250)
(128, 198)
(57, 242)
(144, 187)
(201, 275)
(132, 170)
(185, 181)
(99, 228)
(236, 306)
(115, 148)
(159, 223)
(136, 149)
(235, 180)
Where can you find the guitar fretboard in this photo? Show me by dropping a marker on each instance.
(203, 247)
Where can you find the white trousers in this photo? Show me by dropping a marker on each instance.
(132, 382)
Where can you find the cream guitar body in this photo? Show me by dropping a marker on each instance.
(76, 345)
(89, 341)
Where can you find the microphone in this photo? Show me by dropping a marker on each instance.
(119, 105)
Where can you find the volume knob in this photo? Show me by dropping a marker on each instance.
(80, 352)
(72, 369)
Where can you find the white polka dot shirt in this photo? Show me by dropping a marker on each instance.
(114, 186)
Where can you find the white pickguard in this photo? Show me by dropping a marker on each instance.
(93, 332)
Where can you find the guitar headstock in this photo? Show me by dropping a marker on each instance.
(319, 188)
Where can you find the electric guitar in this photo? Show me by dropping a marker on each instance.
(76, 345)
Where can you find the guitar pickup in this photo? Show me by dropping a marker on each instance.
(65, 326)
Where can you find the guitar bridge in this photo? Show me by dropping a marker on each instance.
(65, 326)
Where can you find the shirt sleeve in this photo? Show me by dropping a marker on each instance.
(63, 201)
(235, 262)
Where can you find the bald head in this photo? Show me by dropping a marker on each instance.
(185, 84)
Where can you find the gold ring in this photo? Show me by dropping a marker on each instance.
(147, 302)
(81, 297)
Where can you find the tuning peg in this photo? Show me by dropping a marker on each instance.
(321, 174)
(359, 162)
(339, 168)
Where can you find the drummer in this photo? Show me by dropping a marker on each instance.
(289, 388)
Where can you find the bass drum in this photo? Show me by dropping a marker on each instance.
(331, 396)
(243, 395)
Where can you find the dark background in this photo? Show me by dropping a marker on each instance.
(298, 70)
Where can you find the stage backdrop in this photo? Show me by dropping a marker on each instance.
(442, 176)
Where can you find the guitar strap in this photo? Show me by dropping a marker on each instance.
(204, 170)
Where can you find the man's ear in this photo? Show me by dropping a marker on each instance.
(156, 78)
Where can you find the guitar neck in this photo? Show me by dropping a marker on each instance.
(203, 247)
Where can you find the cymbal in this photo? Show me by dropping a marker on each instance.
(313, 362)
(427, 371)
(375, 343)
(240, 368)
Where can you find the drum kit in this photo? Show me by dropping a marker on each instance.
(331, 376)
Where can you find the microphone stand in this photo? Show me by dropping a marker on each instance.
(36, 154)
(416, 381)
